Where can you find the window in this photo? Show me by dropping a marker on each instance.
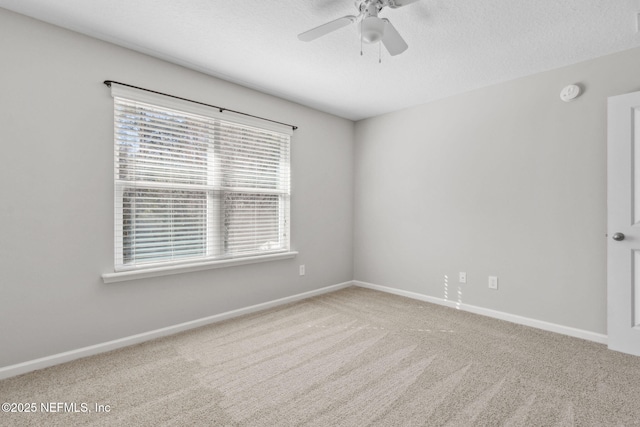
(196, 185)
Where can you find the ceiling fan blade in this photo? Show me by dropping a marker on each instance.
(394, 4)
(392, 39)
(327, 28)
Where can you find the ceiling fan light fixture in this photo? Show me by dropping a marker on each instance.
(372, 29)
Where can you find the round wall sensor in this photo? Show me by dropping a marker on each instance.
(570, 93)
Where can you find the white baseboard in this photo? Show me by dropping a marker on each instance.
(56, 359)
(539, 324)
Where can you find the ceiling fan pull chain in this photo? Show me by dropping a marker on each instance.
(360, 38)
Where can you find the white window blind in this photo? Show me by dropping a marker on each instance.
(193, 186)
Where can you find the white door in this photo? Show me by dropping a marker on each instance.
(623, 235)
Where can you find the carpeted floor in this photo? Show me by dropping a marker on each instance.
(355, 357)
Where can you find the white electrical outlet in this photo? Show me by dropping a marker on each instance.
(493, 282)
(462, 277)
(302, 271)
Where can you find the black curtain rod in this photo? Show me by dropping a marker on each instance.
(221, 109)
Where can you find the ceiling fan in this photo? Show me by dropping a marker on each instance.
(372, 28)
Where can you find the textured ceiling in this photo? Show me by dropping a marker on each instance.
(454, 45)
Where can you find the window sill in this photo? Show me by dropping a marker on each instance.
(187, 268)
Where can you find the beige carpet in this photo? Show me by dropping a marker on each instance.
(350, 358)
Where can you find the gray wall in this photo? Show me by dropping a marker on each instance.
(56, 175)
(508, 181)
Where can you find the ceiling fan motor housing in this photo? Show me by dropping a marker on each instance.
(370, 7)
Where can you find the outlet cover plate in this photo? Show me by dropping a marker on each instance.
(493, 282)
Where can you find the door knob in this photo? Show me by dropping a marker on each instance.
(618, 237)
